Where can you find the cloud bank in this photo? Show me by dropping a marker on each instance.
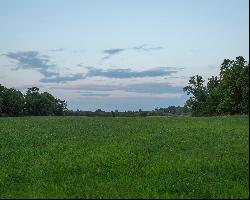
(129, 73)
(62, 79)
(112, 73)
(151, 87)
(111, 52)
(145, 47)
(32, 60)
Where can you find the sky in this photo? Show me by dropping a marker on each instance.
(118, 54)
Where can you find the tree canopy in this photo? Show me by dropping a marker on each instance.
(226, 94)
(14, 103)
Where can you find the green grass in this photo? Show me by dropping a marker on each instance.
(152, 157)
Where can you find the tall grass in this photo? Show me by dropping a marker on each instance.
(152, 157)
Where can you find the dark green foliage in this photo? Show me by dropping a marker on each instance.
(171, 110)
(1, 98)
(14, 103)
(1, 104)
(124, 158)
(48, 104)
(213, 96)
(198, 101)
(244, 84)
(60, 107)
(11, 101)
(32, 104)
(228, 94)
(233, 86)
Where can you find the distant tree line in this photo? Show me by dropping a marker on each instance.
(171, 110)
(227, 93)
(14, 103)
(33, 103)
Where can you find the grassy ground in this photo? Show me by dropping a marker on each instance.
(152, 157)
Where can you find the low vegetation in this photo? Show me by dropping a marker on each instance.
(152, 157)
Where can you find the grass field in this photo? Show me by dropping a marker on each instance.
(152, 157)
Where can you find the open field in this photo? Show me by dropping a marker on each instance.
(152, 157)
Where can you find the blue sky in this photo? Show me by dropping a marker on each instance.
(117, 54)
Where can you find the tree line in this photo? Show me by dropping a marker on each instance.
(227, 93)
(171, 110)
(32, 103)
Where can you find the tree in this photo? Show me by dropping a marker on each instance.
(234, 87)
(60, 107)
(1, 104)
(213, 96)
(47, 104)
(244, 85)
(226, 94)
(1, 97)
(182, 110)
(32, 101)
(43, 104)
(13, 102)
(197, 103)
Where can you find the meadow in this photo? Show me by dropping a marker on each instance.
(141, 157)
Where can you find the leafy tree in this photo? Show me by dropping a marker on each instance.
(232, 87)
(226, 94)
(47, 104)
(1, 97)
(197, 103)
(32, 101)
(172, 109)
(13, 102)
(244, 85)
(1, 104)
(60, 107)
(213, 96)
(43, 104)
(182, 110)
